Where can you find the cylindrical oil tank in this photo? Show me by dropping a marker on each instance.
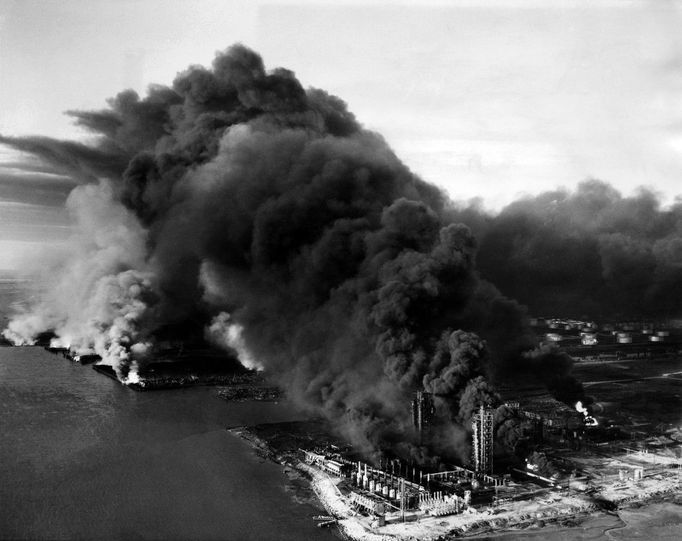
(601, 408)
(391, 493)
(384, 491)
(372, 485)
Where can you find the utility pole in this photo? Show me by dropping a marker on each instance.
(402, 499)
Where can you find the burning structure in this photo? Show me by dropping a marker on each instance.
(482, 425)
(423, 412)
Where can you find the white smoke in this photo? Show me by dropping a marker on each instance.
(134, 376)
(25, 326)
(226, 334)
(100, 293)
(116, 312)
(59, 343)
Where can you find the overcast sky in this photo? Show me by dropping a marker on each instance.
(486, 99)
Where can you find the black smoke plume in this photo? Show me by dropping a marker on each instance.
(264, 212)
(589, 251)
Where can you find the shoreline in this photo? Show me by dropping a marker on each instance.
(152, 381)
(349, 528)
(532, 520)
(161, 383)
(536, 521)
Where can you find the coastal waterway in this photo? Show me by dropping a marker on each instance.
(82, 457)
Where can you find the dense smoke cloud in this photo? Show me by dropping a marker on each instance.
(590, 251)
(264, 212)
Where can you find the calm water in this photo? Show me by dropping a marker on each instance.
(83, 457)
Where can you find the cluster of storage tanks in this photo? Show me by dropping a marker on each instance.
(659, 336)
(383, 484)
(564, 324)
(588, 330)
(653, 336)
(389, 487)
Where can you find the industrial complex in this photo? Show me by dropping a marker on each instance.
(534, 461)
(568, 463)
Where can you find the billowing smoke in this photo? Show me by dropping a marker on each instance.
(589, 251)
(265, 212)
(101, 296)
(228, 335)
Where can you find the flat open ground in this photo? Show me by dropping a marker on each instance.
(645, 391)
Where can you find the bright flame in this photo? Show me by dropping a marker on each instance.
(60, 342)
(134, 376)
(587, 418)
